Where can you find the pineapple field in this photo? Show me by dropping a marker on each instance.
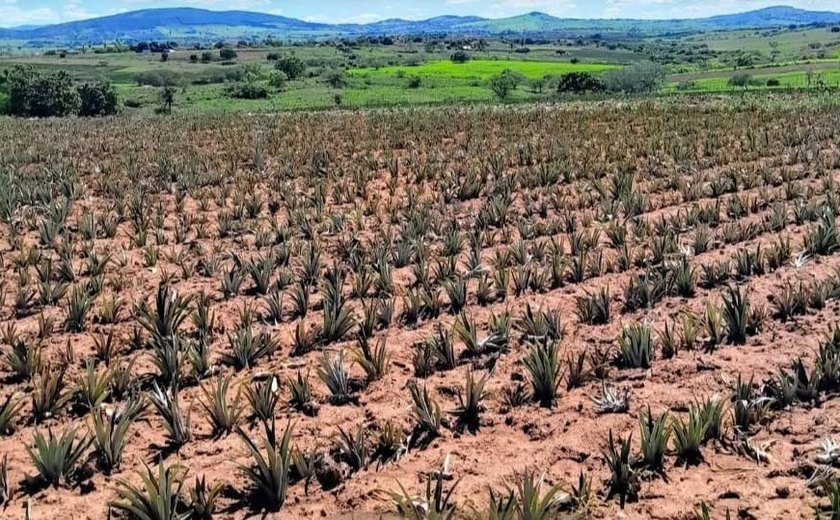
(595, 310)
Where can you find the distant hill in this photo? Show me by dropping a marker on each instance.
(189, 24)
(773, 16)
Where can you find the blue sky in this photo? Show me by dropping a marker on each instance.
(20, 12)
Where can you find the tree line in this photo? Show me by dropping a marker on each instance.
(34, 93)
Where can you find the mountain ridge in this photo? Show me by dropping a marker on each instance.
(185, 23)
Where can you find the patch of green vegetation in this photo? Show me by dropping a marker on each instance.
(775, 45)
(794, 79)
(485, 69)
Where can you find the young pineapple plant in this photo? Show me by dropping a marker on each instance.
(353, 447)
(49, 397)
(736, 313)
(269, 475)
(594, 308)
(110, 435)
(8, 413)
(263, 396)
(688, 436)
(204, 499)
(92, 388)
(223, 415)
(470, 401)
(436, 503)
(338, 319)
(636, 346)
(612, 400)
(168, 406)
(301, 398)
(164, 321)
(24, 359)
(5, 488)
(426, 411)
(623, 480)
(374, 362)
(333, 372)
(247, 348)
(655, 433)
(159, 497)
(545, 371)
(533, 500)
(77, 307)
(56, 458)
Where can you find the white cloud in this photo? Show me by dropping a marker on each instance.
(12, 16)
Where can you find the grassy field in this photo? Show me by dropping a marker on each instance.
(791, 76)
(485, 69)
(416, 74)
(788, 45)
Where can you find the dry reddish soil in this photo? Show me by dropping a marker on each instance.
(779, 155)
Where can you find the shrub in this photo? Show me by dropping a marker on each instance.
(39, 94)
(504, 84)
(247, 90)
(579, 83)
(97, 99)
(740, 80)
(158, 78)
(291, 66)
(460, 57)
(635, 79)
(278, 79)
(227, 54)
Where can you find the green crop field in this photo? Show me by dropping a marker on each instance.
(791, 76)
(484, 69)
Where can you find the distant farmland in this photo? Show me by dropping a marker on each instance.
(484, 69)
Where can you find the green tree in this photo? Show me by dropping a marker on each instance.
(40, 94)
(740, 80)
(645, 77)
(335, 78)
(278, 79)
(504, 84)
(167, 98)
(291, 66)
(97, 99)
(460, 57)
(227, 54)
(579, 83)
